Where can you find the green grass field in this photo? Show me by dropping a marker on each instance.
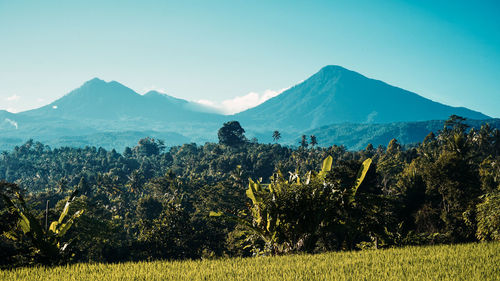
(457, 262)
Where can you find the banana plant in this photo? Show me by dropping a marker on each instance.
(47, 241)
(360, 178)
(265, 219)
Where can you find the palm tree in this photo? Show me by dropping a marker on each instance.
(303, 142)
(314, 141)
(276, 136)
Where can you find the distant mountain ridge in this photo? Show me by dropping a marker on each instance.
(337, 95)
(330, 103)
(358, 136)
(97, 99)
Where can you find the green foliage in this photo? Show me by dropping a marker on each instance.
(290, 215)
(489, 171)
(149, 146)
(48, 242)
(231, 134)
(314, 140)
(303, 142)
(488, 217)
(152, 203)
(276, 136)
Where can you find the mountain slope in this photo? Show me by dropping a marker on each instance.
(111, 114)
(107, 112)
(112, 101)
(358, 136)
(337, 95)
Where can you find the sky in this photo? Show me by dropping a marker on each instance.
(236, 54)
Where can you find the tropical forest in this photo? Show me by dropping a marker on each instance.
(241, 198)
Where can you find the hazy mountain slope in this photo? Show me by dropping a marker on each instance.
(106, 114)
(358, 136)
(117, 140)
(337, 95)
(107, 140)
(110, 101)
(109, 113)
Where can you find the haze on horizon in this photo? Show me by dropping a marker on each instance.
(234, 54)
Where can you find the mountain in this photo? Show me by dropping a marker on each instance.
(358, 136)
(337, 95)
(337, 105)
(112, 101)
(111, 115)
(112, 107)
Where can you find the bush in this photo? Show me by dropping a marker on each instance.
(488, 217)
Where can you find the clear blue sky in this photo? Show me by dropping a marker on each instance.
(448, 51)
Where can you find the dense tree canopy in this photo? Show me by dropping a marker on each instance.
(154, 203)
(232, 134)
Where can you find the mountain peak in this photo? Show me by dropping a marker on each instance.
(336, 95)
(93, 81)
(333, 67)
(331, 71)
(98, 87)
(154, 93)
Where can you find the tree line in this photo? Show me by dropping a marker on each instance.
(242, 198)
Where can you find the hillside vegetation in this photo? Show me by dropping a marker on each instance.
(240, 198)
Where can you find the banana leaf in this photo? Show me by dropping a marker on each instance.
(360, 177)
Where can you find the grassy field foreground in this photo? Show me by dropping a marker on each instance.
(457, 262)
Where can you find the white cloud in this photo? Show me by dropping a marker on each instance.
(238, 104)
(40, 99)
(13, 98)
(12, 110)
(207, 103)
(54, 106)
(12, 122)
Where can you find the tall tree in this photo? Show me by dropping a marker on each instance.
(232, 134)
(303, 142)
(276, 136)
(314, 141)
(149, 146)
